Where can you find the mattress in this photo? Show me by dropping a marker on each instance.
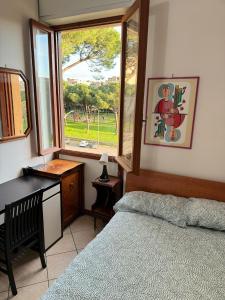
(142, 257)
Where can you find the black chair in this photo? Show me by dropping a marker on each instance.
(23, 227)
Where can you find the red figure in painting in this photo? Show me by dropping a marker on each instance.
(167, 107)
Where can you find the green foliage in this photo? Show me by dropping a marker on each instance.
(99, 46)
(78, 95)
(108, 94)
(91, 97)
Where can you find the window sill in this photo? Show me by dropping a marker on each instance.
(83, 154)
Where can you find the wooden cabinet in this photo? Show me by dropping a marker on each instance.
(71, 175)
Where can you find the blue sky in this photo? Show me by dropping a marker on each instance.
(82, 71)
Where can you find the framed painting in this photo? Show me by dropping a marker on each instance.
(170, 111)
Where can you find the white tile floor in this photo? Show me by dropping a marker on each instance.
(31, 280)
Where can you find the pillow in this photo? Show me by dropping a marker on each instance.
(141, 202)
(172, 208)
(167, 207)
(206, 213)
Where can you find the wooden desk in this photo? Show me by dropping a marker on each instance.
(17, 189)
(21, 187)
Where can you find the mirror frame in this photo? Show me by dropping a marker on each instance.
(28, 104)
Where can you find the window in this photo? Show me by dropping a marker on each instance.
(45, 88)
(90, 68)
(135, 34)
(100, 112)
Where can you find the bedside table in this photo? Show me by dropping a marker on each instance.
(108, 193)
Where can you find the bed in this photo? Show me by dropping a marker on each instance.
(141, 256)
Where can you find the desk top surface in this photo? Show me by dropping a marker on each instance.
(21, 187)
(57, 166)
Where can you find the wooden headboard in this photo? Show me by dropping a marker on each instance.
(165, 183)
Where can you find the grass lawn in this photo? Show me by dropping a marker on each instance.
(107, 130)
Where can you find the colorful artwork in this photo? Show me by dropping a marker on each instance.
(170, 111)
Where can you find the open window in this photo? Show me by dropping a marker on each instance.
(54, 131)
(89, 64)
(134, 48)
(45, 89)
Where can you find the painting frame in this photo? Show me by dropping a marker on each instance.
(176, 122)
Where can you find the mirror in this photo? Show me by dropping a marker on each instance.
(15, 116)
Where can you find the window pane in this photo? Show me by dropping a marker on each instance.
(91, 88)
(44, 87)
(130, 87)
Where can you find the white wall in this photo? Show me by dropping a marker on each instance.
(15, 53)
(92, 170)
(68, 11)
(188, 38)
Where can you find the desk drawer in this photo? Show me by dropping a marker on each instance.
(49, 193)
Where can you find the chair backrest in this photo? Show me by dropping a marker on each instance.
(23, 219)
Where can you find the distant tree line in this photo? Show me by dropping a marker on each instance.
(92, 98)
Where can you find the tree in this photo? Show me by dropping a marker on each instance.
(91, 98)
(81, 95)
(98, 46)
(109, 93)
